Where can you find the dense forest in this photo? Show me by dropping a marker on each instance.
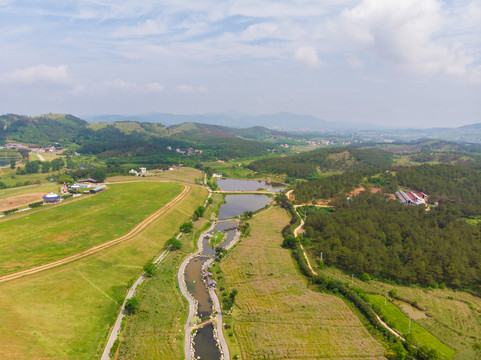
(408, 244)
(306, 165)
(327, 187)
(41, 130)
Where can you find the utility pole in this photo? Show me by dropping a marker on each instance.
(352, 280)
(409, 331)
(385, 301)
(321, 256)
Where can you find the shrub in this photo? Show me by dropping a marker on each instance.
(149, 269)
(36, 204)
(187, 227)
(289, 242)
(131, 305)
(365, 277)
(7, 212)
(174, 244)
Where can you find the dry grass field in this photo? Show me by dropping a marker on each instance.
(276, 316)
(66, 312)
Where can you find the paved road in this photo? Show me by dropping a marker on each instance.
(141, 226)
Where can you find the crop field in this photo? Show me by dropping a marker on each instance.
(66, 312)
(454, 316)
(53, 233)
(276, 316)
(395, 318)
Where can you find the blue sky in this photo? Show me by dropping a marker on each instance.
(391, 62)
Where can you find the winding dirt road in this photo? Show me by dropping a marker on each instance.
(137, 229)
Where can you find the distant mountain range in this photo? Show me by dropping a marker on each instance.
(280, 121)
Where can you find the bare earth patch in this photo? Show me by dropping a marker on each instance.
(20, 200)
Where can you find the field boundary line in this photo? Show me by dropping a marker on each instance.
(95, 249)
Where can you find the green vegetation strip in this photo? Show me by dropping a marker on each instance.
(63, 230)
(396, 318)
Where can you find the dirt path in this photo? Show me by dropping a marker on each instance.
(296, 232)
(137, 229)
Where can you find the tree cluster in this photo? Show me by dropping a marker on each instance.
(408, 244)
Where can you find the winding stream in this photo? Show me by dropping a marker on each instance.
(204, 339)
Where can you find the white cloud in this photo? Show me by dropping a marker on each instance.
(191, 89)
(355, 63)
(308, 55)
(146, 28)
(38, 74)
(405, 33)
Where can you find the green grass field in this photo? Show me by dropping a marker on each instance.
(396, 318)
(276, 316)
(66, 312)
(53, 233)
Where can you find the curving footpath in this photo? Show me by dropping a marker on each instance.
(137, 229)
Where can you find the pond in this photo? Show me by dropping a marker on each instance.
(242, 185)
(236, 205)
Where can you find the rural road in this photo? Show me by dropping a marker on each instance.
(40, 157)
(296, 232)
(137, 229)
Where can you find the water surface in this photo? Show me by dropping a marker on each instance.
(242, 185)
(205, 346)
(236, 205)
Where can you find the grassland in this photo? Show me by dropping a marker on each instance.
(455, 316)
(276, 316)
(399, 321)
(156, 331)
(66, 313)
(51, 234)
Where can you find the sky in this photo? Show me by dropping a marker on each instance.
(410, 63)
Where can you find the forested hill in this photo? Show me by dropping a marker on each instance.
(139, 142)
(369, 234)
(40, 130)
(307, 165)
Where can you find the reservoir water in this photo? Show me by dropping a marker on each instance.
(236, 204)
(242, 185)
